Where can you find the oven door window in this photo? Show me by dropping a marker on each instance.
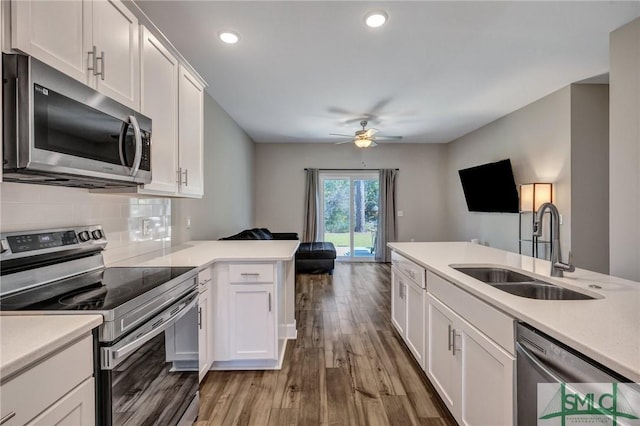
(145, 386)
(65, 126)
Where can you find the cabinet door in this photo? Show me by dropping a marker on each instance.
(75, 408)
(415, 334)
(441, 362)
(487, 380)
(190, 124)
(398, 302)
(159, 101)
(204, 333)
(55, 32)
(252, 321)
(115, 35)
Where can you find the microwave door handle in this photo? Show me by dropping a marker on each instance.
(137, 159)
(121, 141)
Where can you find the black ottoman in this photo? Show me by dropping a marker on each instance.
(315, 258)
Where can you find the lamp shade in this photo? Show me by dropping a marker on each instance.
(533, 195)
(362, 142)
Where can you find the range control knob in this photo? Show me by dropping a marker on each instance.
(84, 236)
(3, 246)
(97, 234)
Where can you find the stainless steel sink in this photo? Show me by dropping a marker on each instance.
(520, 284)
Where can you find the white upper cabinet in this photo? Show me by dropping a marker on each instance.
(95, 42)
(115, 36)
(191, 134)
(159, 101)
(58, 33)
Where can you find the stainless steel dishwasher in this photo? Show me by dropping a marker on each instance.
(580, 390)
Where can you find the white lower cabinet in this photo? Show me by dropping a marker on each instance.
(415, 331)
(473, 375)
(57, 391)
(248, 316)
(398, 302)
(407, 311)
(252, 322)
(205, 337)
(75, 408)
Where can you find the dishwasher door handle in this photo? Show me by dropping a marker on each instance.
(538, 365)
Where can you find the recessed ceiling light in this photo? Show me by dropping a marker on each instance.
(375, 19)
(229, 37)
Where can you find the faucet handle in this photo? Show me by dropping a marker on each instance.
(568, 267)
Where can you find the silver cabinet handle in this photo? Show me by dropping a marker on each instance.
(250, 274)
(200, 318)
(101, 59)
(453, 341)
(269, 302)
(137, 158)
(92, 57)
(401, 289)
(449, 337)
(186, 177)
(7, 417)
(179, 176)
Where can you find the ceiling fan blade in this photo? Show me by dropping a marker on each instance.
(370, 132)
(373, 144)
(382, 137)
(339, 134)
(341, 142)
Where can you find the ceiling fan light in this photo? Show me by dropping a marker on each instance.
(363, 143)
(375, 19)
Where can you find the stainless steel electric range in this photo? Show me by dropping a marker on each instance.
(62, 271)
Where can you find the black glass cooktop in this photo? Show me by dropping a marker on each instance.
(101, 290)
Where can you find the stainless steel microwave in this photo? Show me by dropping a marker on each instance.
(58, 131)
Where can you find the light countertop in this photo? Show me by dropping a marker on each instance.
(606, 329)
(28, 339)
(203, 253)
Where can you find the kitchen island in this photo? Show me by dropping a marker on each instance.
(462, 330)
(606, 329)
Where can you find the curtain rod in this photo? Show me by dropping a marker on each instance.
(349, 170)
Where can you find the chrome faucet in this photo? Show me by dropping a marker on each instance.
(557, 266)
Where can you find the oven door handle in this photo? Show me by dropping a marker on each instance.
(111, 357)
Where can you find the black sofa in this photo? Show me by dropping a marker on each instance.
(262, 234)
(311, 258)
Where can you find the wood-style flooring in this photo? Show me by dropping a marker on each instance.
(347, 367)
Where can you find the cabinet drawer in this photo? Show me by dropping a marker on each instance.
(204, 278)
(495, 324)
(409, 268)
(33, 391)
(251, 273)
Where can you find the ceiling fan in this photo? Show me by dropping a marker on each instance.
(365, 138)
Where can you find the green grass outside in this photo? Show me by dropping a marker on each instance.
(361, 239)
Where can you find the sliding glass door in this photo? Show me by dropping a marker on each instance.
(349, 212)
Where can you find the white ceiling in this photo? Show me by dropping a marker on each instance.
(434, 72)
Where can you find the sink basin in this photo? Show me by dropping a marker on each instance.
(520, 284)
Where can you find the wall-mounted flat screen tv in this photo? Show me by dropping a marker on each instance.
(490, 188)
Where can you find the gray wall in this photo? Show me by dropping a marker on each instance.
(590, 176)
(624, 149)
(227, 205)
(537, 139)
(280, 179)
(561, 138)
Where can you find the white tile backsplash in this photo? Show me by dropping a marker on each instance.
(30, 207)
